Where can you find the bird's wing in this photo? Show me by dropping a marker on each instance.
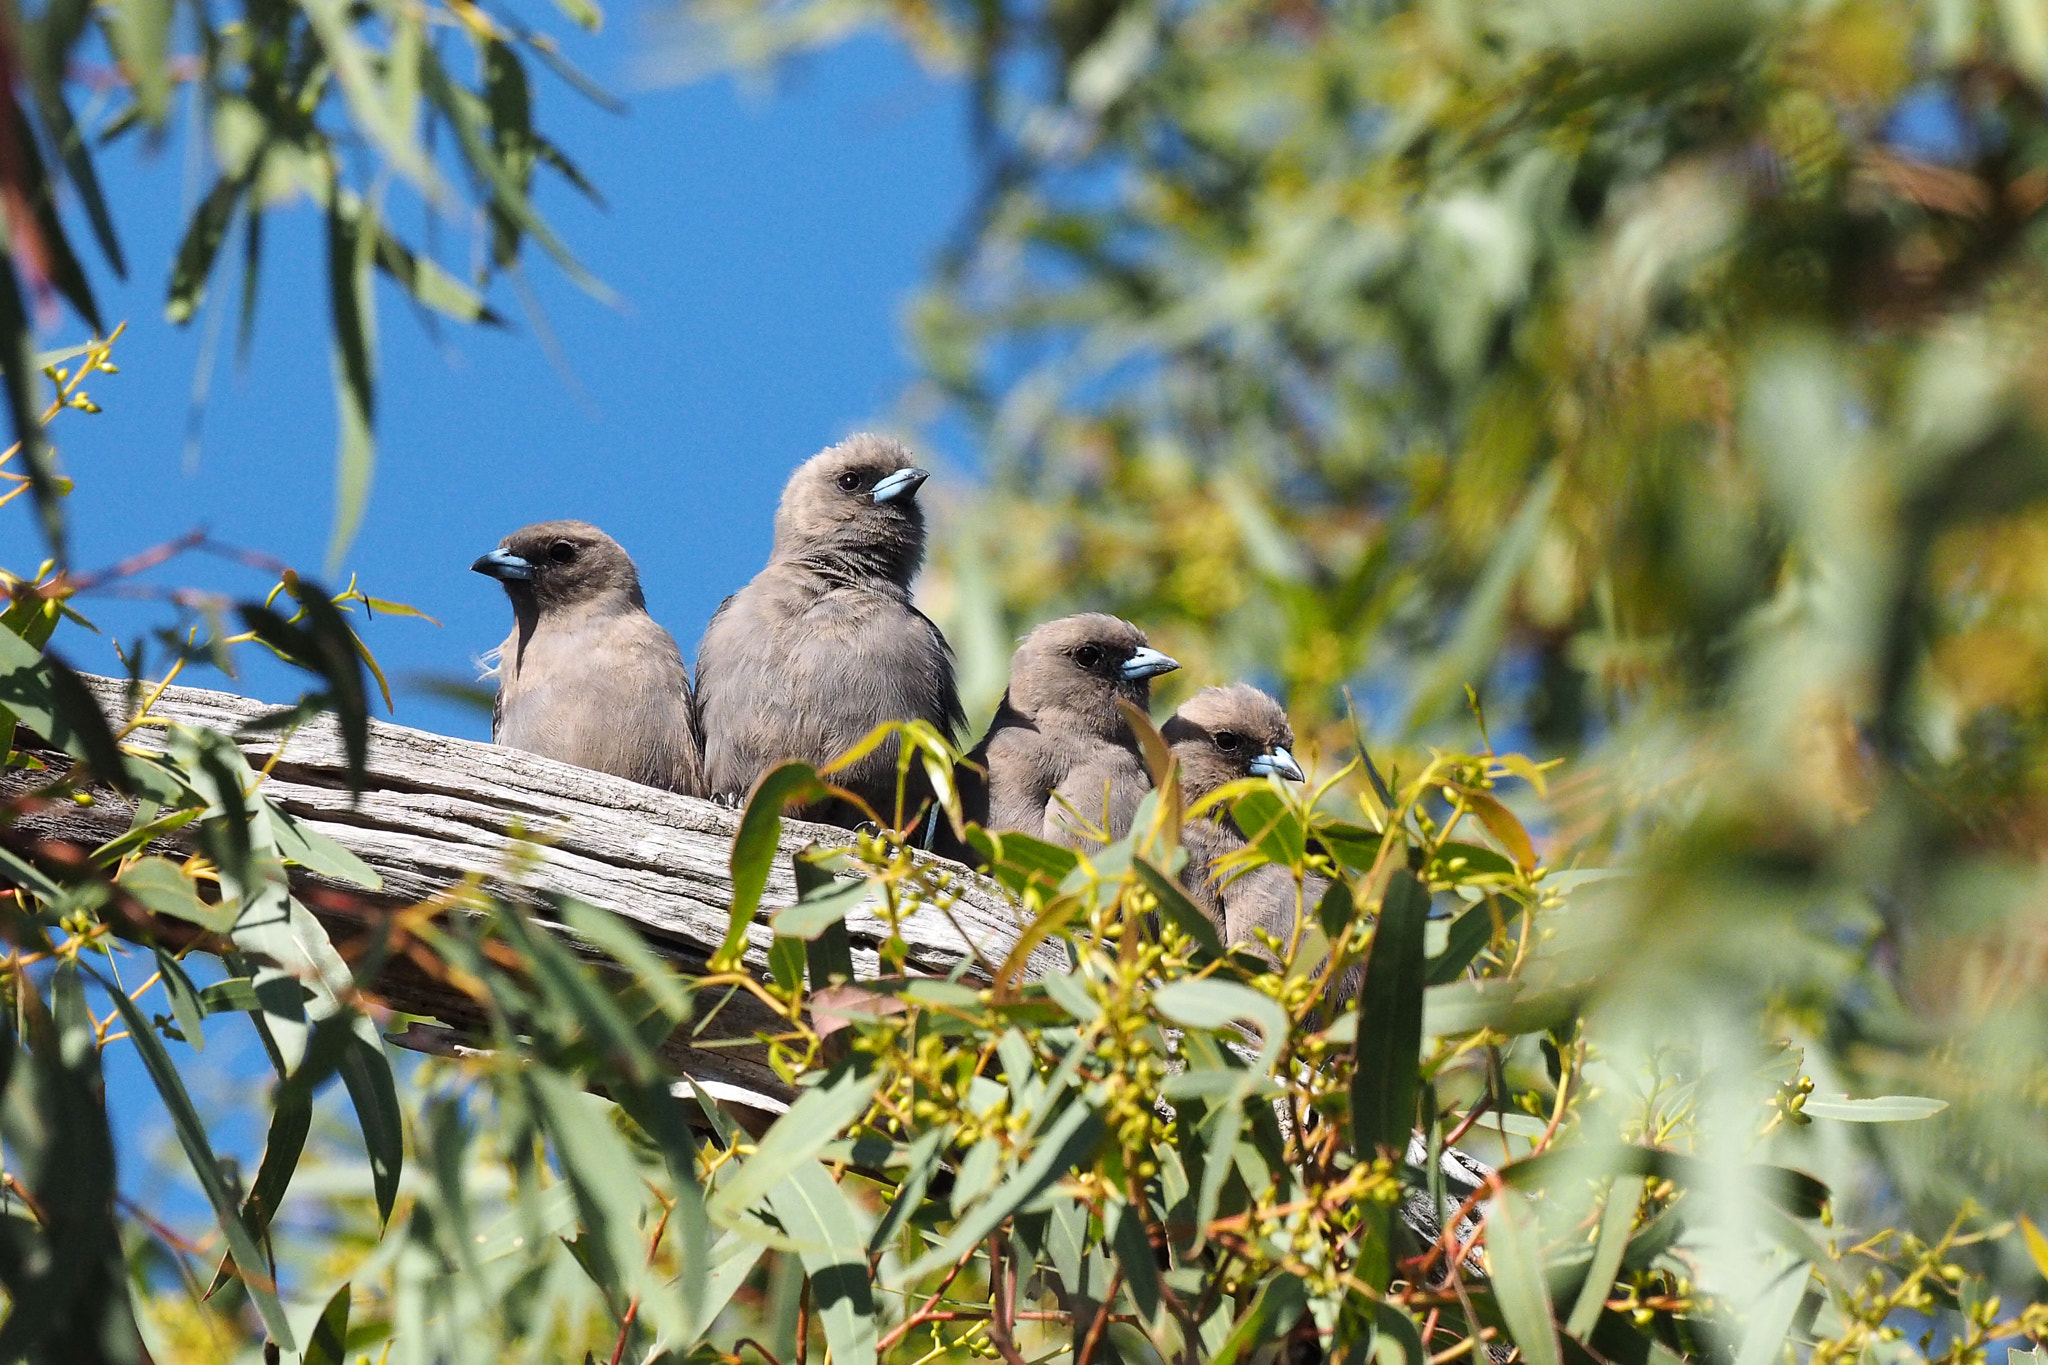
(705, 639)
(949, 687)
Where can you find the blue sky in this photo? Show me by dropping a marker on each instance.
(762, 242)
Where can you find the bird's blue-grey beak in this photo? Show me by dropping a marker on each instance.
(904, 483)
(1148, 663)
(502, 563)
(1278, 763)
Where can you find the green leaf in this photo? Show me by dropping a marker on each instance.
(1355, 847)
(366, 1072)
(49, 698)
(329, 1342)
(1183, 913)
(828, 904)
(291, 1120)
(51, 37)
(510, 106)
(753, 850)
(1272, 1315)
(1879, 1109)
(1208, 1003)
(1391, 1320)
(36, 187)
(141, 37)
(1796, 1192)
(1126, 1236)
(599, 1168)
(1062, 1147)
(191, 1133)
(468, 116)
(584, 1002)
(353, 315)
(185, 1006)
(63, 1270)
(1617, 1221)
(1389, 1044)
(1468, 1006)
(298, 842)
(1217, 1137)
(732, 1261)
(1272, 825)
(924, 1162)
(581, 13)
(164, 889)
(1020, 861)
(1503, 824)
(431, 287)
(1470, 932)
(370, 110)
(231, 996)
(831, 1238)
(817, 1117)
(1335, 909)
(1771, 1318)
(1457, 861)
(193, 265)
(662, 982)
(2037, 1245)
(1514, 1260)
(19, 371)
(828, 951)
(1068, 992)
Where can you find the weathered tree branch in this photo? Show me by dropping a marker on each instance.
(436, 810)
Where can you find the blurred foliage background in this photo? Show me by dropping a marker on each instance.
(1671, 374)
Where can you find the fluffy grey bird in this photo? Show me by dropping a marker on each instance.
(586, 675)
(1219, 735)
(824, 644)
(1060, 760)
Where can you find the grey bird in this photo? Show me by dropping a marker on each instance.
(1059, 759)
(1219, 735)
(824, 644)
(586, 676)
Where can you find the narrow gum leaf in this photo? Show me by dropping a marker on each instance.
(1501, 823)
(1514, 1258)
(753, 850)
(191, 1133)
(1389, 1043)
(2037, 1244)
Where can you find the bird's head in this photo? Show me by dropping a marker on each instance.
(1080, 665)
(855, 504)
(1222, 734)
(555, 564)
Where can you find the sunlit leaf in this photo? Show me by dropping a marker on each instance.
(252, 1269)
(831, 1234)
(753, 849)
(1879, 1109)
(818, 1116)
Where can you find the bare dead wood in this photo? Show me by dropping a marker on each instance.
(436, 810)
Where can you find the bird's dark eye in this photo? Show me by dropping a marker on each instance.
(850, 482)
(1228, 741)
(561, 551)
(1088, 656)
